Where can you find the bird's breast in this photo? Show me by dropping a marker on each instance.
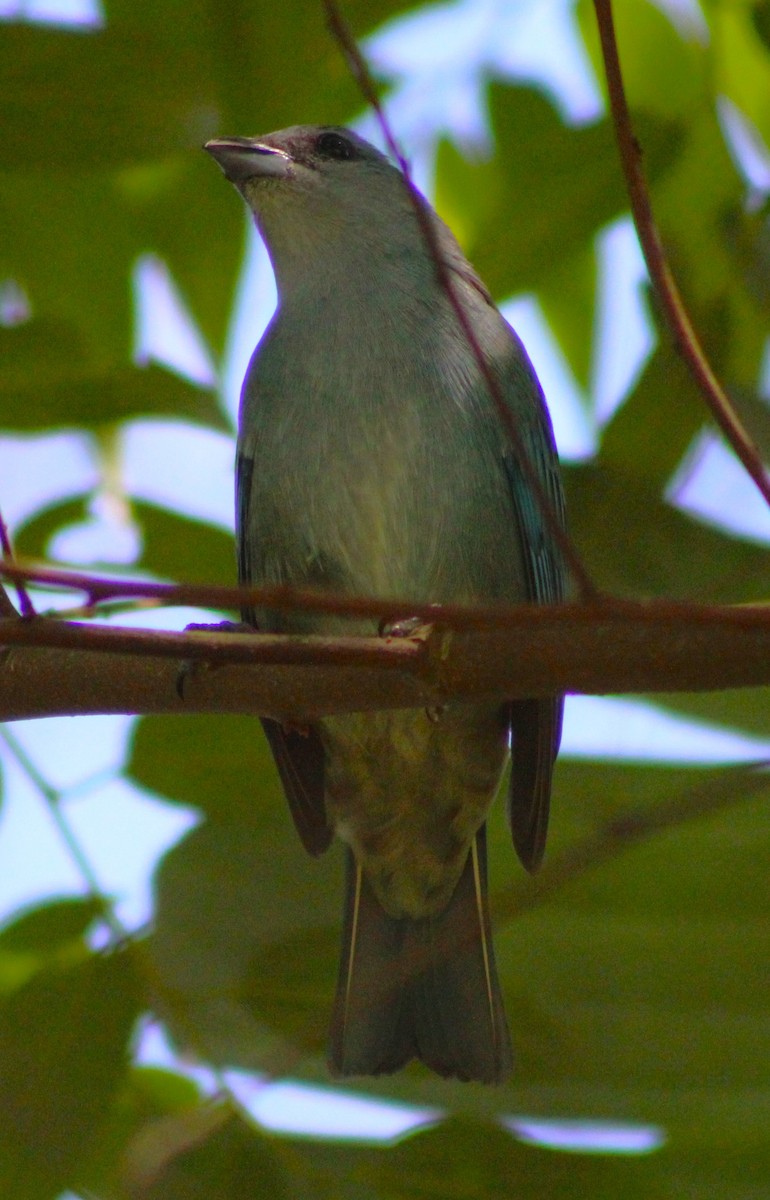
(389, 483)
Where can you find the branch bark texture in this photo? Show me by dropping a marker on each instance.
(55, 668)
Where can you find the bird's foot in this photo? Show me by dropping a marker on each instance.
(421, 630)
(192, 666)
(406, 627)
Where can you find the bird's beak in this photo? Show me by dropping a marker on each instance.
(242, 159)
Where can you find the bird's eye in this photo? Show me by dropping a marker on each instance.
(334, 145)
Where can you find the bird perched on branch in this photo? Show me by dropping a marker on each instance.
(373, 459)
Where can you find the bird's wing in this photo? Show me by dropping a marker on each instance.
(298, 753)
(535, 724)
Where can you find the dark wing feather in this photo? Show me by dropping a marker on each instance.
(535, 724)
(298, 754)
(299, 757)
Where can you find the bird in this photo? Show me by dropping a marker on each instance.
(372, 460)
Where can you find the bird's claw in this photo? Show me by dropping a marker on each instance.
(193, 666)
(406, 627)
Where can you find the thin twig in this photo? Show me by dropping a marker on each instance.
(25, 603)
(53, 802)
(362, 75)
(666, 289)
(164, 998)
(103, 589)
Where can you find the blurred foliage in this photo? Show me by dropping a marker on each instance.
(637, 985)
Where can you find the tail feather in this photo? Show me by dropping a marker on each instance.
(424, 989)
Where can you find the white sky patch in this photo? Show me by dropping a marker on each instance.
(255, 301)
(122, 830)
(104, 537)
(165, 330)
(106, 822)
(73, 748)
(711, 484)
(588, 1137)
(182, 466)
(53, 12)
(566, 403)
(155, 1050)
(300, 1108)
(307, 1110)
(38, 470)
(626, 730)
(34, 865)
(445, 51)
(539, 41)
(746, 144)
(625, 336)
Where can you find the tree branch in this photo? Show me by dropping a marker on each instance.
(666, 289)
(58, 668)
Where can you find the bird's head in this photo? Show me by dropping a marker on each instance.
(323, 198)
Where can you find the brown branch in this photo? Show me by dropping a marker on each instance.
(57, 668)
(666, 289)
(360, 71)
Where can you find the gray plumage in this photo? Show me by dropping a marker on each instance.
(372, 460)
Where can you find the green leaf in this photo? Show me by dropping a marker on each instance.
(164, 1091)
(139, 94)
(148, 1094)
(42, 352)
(180, 548)
(246, 939)
(651, 432)
(72, 252)
(635, 544)
(568, 299)
(118, 395)
(174, 546)
(716, 1173)
(760, 18)
(522, 214)
(638, 986)
(31, 540)
(465, 1158)
(664, 72)
(741, 62)
(51, 926)
(221, 765)
(691, 202)
(242, 913)
(63, 1046)
(204, 1154)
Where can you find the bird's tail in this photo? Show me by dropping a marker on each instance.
(424, 989)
